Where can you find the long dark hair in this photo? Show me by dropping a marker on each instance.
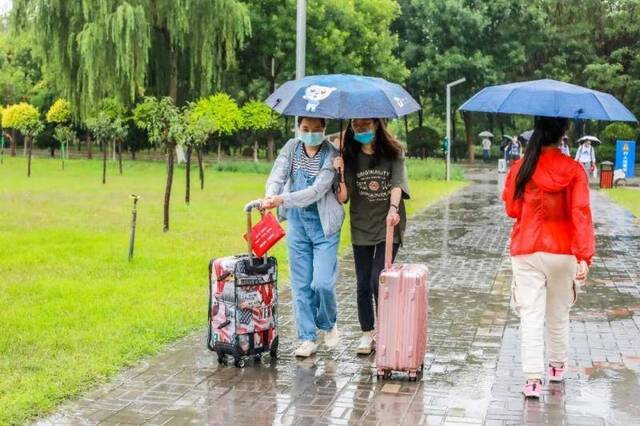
(547, 131)
(385, 145)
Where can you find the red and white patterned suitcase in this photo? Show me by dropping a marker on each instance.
(243, 299)
(402, 321)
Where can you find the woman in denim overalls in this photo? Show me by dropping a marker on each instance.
(301, 181)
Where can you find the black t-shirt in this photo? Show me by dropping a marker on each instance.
(369, 186)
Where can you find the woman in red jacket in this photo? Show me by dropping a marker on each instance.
(552, 243)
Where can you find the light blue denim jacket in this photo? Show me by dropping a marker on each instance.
(321, 192)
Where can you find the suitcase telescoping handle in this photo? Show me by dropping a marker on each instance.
(255, 204)
(388, 248)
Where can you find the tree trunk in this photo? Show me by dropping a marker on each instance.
(173, 73)
(255, 151)
(104, 162)
(52, 151)
(219, 151)
(12, 143)
(188, 170)
(270, 147)
(120, 156)
(467, 128)
(167, 191)
(406, 128)
(133, 154)
(24, 146)
(27, 144)
(89, 150)
(200, 167)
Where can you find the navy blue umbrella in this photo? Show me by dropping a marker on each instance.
(342, 96)
(549, 98)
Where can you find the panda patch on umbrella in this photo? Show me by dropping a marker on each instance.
(314, 94)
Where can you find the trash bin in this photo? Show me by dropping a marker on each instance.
(606, 174)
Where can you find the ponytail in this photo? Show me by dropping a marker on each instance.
(547, 131)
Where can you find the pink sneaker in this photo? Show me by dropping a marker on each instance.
(556, 374)
(532, 389)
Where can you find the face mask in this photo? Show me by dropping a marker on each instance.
(364, 137)
(312, 138)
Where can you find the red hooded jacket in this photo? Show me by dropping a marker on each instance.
(554, 216)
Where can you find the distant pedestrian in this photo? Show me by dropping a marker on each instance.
(486, 149)
(564, 146)
(514, 150)
(586, 156)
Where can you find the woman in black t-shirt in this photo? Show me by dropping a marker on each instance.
(374, 181)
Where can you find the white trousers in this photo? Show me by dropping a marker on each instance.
(543, 290)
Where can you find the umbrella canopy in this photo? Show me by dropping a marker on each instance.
(549, 98)
(526, 135)
(485, 134)
(592, 139)
(342, 96)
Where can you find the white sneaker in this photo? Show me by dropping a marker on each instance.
(365, 347)
(306, 349)
(332, 337)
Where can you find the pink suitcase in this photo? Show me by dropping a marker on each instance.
(401, 342)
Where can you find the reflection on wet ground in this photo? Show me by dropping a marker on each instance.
(473, 363)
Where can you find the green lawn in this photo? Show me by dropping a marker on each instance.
(629, 198)
(73, 310)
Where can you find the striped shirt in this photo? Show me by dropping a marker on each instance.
(310, 165)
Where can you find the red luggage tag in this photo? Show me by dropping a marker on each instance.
(265, 234)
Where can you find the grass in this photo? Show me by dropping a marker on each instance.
(627, 197)
(74, 311)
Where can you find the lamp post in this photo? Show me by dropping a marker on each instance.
(449, 86)
(301, 38)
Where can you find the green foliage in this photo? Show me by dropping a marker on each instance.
(23, 117)
(65, 135)
(60, 112)
(423, 142)
(615, 131)
(119, 48)
(342, 36)
(219, 113)
(256, 116)
(157, 117)
(106, 129)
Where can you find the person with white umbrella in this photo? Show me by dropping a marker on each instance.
(486, 145)
(586, 156)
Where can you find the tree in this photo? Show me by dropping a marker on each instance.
(106, 129)
(342, 36)
(257, 117)
(26, 119)
(220, 113)
(117, 48)
(161, 119)
(65, 135)
(60, 112)
(197, 130)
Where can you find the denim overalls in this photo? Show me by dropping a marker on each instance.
(313, 261)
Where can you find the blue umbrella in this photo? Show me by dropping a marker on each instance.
(342, 96)
(549, 98)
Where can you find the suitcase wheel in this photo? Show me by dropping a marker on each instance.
(240, 362)
(386, 375)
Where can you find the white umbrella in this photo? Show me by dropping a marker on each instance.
(526, 135)
(592, 139)
(486, 134)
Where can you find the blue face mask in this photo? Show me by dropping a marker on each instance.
(364, 137)
(312, 138)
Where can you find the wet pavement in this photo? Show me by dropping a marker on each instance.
(472, 375)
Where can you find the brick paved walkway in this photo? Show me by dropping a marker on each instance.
(472, 368)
